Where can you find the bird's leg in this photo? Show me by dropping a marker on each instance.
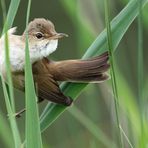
(18, 114)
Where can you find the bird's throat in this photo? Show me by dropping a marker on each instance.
(39, 51)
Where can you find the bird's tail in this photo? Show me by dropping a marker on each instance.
(92, 70)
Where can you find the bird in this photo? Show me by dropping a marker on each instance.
(43, 41)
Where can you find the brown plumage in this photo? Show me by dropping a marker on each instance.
(46, 74)
(43, 40)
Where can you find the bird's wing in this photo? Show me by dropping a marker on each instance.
(47, 87)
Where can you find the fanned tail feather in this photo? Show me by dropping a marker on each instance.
(92, 70)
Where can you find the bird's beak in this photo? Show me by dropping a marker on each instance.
(58, 36)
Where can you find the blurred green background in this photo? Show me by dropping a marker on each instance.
(83, 20)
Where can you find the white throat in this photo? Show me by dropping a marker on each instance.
(40, 50)
(49, 48)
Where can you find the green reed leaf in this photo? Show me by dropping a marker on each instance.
(33, 134)
(119, 26)
(9, 99)
(112, 70)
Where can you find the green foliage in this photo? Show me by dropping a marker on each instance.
(5, 131)
(112, 69)
(11, 14)
(32, 115)
(8, 93)
(84, 120)
(132, 116)
(119, 25)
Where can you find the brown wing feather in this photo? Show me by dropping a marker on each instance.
(47, 87)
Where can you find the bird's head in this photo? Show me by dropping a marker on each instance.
(43, 39)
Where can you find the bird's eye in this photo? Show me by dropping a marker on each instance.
(39, 35)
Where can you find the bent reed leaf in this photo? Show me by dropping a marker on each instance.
(119, 26)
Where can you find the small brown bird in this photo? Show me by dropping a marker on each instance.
(43, 40)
